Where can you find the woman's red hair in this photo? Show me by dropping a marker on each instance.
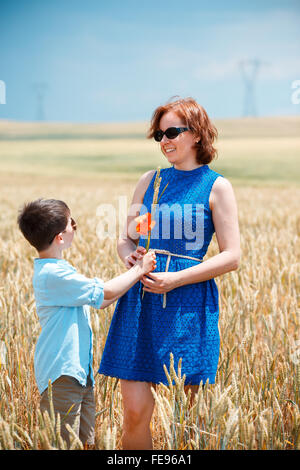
(196, 119)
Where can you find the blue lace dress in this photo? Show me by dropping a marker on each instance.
(144, 330)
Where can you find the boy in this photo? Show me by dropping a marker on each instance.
(63, 351)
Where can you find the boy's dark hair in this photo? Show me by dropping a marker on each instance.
(41, 220)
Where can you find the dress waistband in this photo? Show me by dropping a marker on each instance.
(169, 254)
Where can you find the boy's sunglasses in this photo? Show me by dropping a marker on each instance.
(171, 133)
(73, 225)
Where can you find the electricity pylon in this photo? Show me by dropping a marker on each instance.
(40, 90)
(249, 70)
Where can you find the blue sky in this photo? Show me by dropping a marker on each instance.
(118, 60)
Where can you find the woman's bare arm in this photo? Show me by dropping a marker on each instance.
(128, 241)
(225, 218)
(127, 245)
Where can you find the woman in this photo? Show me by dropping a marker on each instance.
(179, 310)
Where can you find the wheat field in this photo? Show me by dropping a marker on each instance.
(254, 403)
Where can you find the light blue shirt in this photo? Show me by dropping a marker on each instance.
(63, 297)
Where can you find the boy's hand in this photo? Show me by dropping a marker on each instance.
(148, 262)
(131, 259)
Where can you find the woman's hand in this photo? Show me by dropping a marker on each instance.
(132, 258)
(159, 283)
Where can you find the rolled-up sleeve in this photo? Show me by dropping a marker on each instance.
(67, 288)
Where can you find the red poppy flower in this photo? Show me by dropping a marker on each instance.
(144, 223)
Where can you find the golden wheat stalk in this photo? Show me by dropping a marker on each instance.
(259, 329)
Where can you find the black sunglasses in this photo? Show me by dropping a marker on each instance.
(171, 133)
(73, 225)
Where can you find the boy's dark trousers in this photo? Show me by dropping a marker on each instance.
(67, 391)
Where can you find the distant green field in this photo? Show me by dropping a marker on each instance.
(256, 151)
